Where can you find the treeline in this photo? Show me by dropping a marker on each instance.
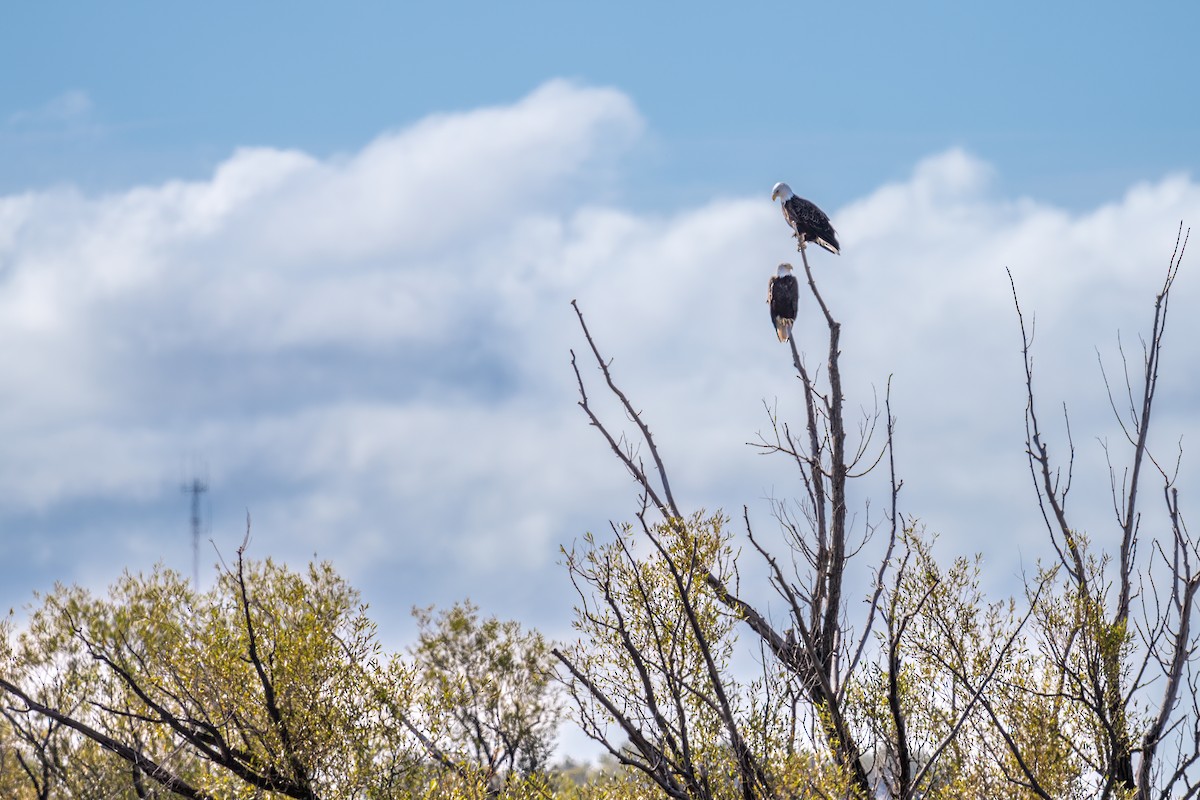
(270, 684)
(908, 685)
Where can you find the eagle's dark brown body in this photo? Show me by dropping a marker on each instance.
(783, 298)
(809, 223)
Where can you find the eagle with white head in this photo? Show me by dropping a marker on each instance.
(783, 297)
(809, 223)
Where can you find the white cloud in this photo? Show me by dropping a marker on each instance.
(371, 351)
(68, 107)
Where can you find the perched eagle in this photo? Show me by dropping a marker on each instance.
(809, 222)
(783, 296)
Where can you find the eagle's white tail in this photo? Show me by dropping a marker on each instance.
(784, 329)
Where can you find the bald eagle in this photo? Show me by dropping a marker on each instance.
(809, 222)
(783, 296)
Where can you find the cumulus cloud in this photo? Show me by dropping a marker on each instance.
(371, 351)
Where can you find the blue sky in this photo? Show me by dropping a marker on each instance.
(325, 252)
(1071, 101)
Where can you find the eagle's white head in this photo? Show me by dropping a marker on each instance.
(782, 190)
(785, 269)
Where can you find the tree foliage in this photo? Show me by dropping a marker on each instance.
(493, 702)
(271, 682)
(931, 690)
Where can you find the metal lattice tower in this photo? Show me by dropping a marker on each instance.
(196, 488)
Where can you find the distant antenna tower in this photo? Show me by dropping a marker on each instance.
(196, 488)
